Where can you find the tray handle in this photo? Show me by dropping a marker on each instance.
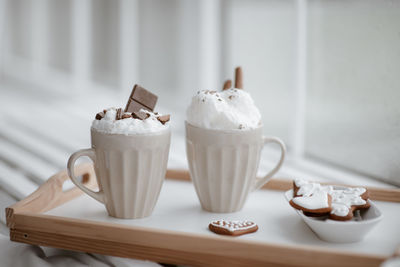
(51, 193)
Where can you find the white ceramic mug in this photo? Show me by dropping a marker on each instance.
(223, 165)
(130, 171)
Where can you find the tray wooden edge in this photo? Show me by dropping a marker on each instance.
(50, 195)
(172, 246)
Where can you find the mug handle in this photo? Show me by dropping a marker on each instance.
(263, 180)
(89, 152)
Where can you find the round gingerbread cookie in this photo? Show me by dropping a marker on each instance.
(234, 228)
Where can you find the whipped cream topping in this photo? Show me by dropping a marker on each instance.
(128, 126)
(225, 110)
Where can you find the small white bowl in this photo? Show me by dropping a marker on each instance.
(339, 231)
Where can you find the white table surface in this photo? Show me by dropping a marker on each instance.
(178, 209)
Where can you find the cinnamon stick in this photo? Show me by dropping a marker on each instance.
(238, 78)
(227, 84)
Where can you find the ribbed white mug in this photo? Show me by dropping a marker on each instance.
(223, 165)
(130, 171)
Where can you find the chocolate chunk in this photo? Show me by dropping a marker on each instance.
(163, 119)
(140, 115)
(141, 98)
(133, 106)
(104, 111)
(99, 116)
(119, 114)
(126, 116)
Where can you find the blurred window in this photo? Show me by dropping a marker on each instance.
(325, 74)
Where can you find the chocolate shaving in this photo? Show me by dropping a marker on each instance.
(140, 115)
(163, 119)
(99, 116)
(119, 114)
(140, 98)
(227, 84)
(238, 78)
(104, 111)
(126, 116)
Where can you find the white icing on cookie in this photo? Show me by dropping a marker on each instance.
(232, 226)
(342, 199)
(307, 188)
(318, 200)
(340, 209)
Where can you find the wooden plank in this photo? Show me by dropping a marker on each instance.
(123, 250)
(180, 249)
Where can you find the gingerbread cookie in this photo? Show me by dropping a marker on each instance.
(234, 228)
(305, 188)
(344, 201)
(319, 203)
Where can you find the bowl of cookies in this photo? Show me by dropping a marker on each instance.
(334, 213)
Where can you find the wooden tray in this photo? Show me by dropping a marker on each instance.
(177, 232)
